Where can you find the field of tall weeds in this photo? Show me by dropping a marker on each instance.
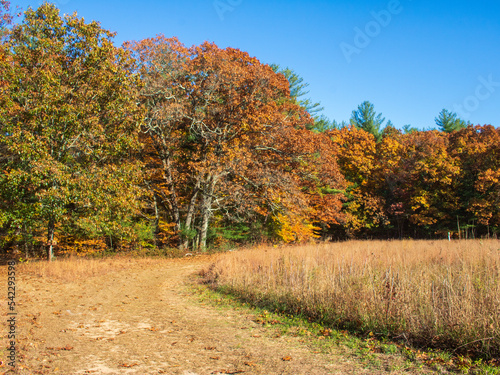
(435, 294)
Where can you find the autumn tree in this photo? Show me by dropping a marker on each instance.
(422, 186)
(223, 136)
(405, 183)
(357, 159)
(6, 17)
(68, 129)
(478, 151)
(324, 183)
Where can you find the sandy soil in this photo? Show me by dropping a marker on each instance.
(146, 320)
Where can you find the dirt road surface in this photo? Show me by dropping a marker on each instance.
(147, 320)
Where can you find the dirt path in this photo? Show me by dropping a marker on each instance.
(145, 321)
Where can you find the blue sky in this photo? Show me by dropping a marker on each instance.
(410, 58)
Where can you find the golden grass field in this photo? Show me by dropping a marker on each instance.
(76, 268)
(437, 294)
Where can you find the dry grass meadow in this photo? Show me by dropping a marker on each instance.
(78, 268)
(433, 294)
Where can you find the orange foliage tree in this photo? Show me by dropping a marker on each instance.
(224, 142)
(357, 158)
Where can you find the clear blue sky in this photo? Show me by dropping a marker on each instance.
(410, 58)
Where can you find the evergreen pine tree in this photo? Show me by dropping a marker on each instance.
(449, 121)
(367, 119)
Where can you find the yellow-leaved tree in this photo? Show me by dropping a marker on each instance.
(69, 124)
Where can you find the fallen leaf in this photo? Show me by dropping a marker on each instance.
(287, 358)
(327, 332)
(128, 365)
(67, 347)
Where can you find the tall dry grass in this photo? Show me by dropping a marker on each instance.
(77, 268)
(432, 293)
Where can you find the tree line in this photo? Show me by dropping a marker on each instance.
(159, 145)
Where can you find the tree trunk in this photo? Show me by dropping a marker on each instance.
(157, 219)
(172, 194)
(190, 214)
(50, 240)
(206, 211)
(161, 146)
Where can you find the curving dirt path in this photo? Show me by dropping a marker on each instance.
(145, 320)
